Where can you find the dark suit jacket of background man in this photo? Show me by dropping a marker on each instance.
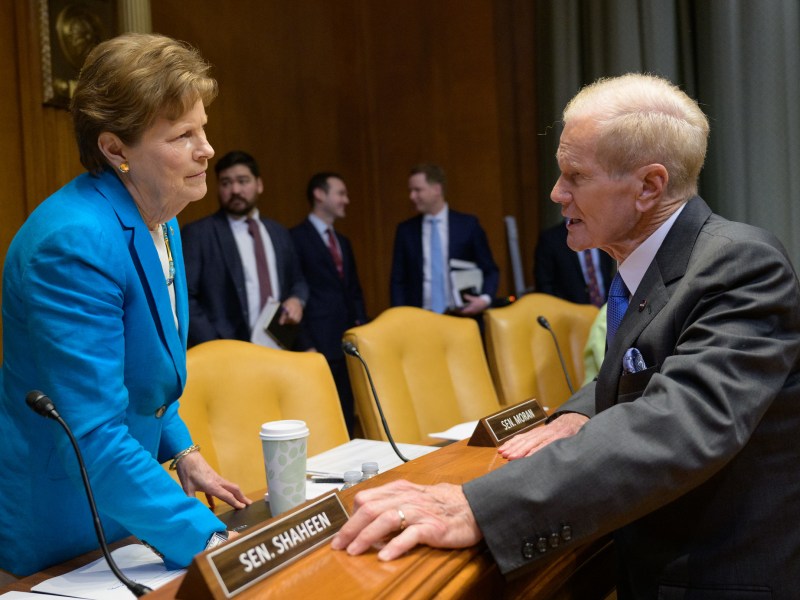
(467, 241)
(694, 462)
(215, 276)
(557, 269)
(335, 304)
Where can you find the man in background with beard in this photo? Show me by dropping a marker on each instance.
(237, 259)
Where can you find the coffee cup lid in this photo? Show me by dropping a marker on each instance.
(289, 429)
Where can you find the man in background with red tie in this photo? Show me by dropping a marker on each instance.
(236, 260)
(335, 301)
(581, 277)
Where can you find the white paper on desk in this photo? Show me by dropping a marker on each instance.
(95, 581)
(350, 456)
(464, 276)
(458, 432)
(260, 335)
(28, 596)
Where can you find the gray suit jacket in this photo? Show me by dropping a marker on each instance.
(694, 463)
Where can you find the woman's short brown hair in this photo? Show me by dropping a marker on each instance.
(129, 81)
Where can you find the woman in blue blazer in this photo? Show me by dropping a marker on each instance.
(95, 315)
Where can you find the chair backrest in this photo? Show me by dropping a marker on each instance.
(429, 370)
(233, 387)
(522, 357)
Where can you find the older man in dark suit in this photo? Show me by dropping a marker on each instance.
(335, 302)
(685, 447)
(236, 260)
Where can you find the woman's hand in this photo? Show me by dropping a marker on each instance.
(196, 475)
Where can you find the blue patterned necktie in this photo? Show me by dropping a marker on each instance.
(438, 302)
(617, 305)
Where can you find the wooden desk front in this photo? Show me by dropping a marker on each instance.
(586, 572)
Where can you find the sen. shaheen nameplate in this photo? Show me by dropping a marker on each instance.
(246, 560)
(498, 427)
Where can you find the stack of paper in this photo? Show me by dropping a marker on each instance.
(350, 456)
(95, 581)
(465, 278)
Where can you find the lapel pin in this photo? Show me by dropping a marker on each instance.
(642, 305)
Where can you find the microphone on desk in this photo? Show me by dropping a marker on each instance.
(41, 404)
(546, 325)
(350, 349)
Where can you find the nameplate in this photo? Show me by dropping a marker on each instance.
(243, 562)
(498, 427)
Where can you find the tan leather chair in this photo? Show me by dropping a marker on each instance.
(233, 387)
(522, 357)
(429, 370)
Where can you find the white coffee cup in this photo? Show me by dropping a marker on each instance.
(284, 447)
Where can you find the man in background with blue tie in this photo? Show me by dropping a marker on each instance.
(425, 244)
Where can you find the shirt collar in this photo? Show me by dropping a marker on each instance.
(441, 215)
(633, 268)
(240, 220)
(320, 225)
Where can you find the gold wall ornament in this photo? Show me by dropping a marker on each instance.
(69, 30)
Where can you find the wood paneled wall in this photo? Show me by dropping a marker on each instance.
(363, 87)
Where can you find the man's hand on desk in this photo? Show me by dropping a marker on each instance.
(196, 475)
(437, 516)
(529, 442)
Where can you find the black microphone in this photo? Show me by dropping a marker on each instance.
(41, 404)
(546, 324)
(350, 348)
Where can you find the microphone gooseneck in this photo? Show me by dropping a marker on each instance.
(350, 349)
(545, 324)
(42, 405)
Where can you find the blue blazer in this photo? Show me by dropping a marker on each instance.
(335, 303)
(87, 320)
(467, 241)
(217, 293)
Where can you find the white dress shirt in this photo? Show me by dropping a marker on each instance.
(244, 242)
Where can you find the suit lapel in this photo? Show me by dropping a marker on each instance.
(454, 242)
(144, 254)
(230, 256)
(417, 253)
(668, 267)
